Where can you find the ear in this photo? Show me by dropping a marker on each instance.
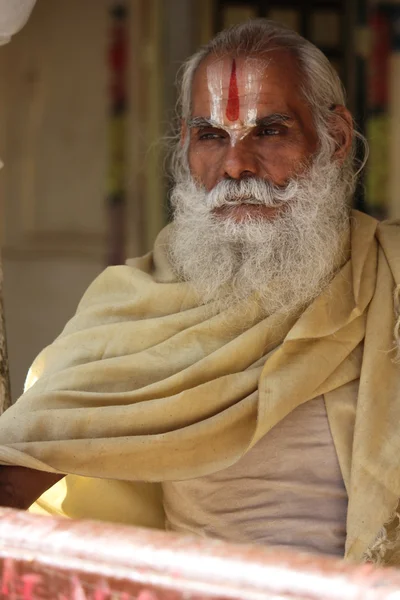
(184, 131)
(342, 130)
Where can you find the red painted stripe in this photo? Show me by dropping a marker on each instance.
(232, 109)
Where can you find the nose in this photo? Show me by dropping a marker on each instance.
(239, 162)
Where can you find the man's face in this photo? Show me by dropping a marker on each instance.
(249, 119)
(263, 213)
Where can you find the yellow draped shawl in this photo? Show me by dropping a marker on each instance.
(145, 385)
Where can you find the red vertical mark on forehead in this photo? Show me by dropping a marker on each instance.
(232, 109)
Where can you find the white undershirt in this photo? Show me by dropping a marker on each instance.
(287, 491)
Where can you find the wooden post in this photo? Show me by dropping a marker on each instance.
(5, 397)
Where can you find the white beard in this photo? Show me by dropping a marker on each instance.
(283, 263)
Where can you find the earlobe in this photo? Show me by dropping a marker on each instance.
(342, 130)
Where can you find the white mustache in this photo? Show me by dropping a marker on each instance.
(250, 191)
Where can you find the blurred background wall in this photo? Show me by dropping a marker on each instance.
(86, 95)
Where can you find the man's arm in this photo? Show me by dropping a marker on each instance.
(20, 487)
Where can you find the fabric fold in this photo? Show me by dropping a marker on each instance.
(145, 385)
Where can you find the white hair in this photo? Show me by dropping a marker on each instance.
(321, 85)
(284, 263)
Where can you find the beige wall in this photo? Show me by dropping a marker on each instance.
(53, 142)
(40, 296)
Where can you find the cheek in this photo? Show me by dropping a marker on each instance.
(195, 162)
(205, 160)
(284, 157)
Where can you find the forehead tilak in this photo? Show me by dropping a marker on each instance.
(234, 91)
(233, 105)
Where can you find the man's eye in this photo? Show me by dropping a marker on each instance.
(269, 131)
(210, 136)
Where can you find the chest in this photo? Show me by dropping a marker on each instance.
(286, 491)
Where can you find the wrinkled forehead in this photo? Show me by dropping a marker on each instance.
(233, 90)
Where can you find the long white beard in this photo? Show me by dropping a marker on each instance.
(283, 263)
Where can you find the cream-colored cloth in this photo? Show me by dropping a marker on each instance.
(145, 385)
(287, 491)
(113, 501)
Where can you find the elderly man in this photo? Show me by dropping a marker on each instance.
(247, 366)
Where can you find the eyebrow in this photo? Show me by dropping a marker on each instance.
(199, 122)
(202, 122)
(274, 118)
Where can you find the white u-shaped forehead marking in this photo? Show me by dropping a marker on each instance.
(249, 77)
